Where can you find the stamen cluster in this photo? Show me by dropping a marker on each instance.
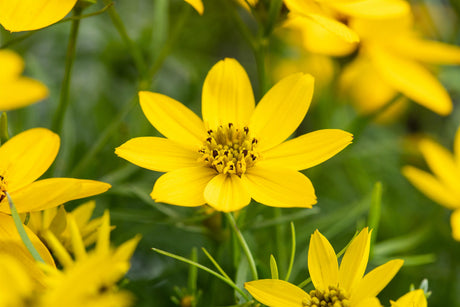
(332, 297)
(2, 188)
(229, 150)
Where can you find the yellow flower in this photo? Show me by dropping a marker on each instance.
(17, 91)
(197, 5)
(17, 286)
(237, 152)
(414, 298)
(26, 15)
(89, 280)
(443, 185)
(390, 54)
(23, 159)
(346, 284)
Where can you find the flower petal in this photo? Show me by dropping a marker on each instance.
(415, 298)
(307, 150)
(375, 281)
(281, 110)
(226, 193)
(20, 93)
(413, 80)
(431, 187)
(372, 9)
(197, 5)
(455, 224)
(11, 65)
(322, 262)
(354, 261)
(157, 154)
(26, 156)
(26, 15)
(279, 187)
(227, 95)
(183, 187)
(369, 302)
(335, 27)
(442, 163)
(276, 293)
(48, 193)
(172, 119)
(427, 51)
(11, 244)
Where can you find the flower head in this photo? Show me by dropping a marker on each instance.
(237, 151)
(344, 286)
(17, 91)
(415, 298)
(442, 186)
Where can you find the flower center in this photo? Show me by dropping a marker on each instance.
(332, 297)
(229, 150)
(2, 188)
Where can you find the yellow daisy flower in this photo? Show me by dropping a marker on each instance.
(27, 15)
(17, 286)
(237, 151)
(414, 298)
(197, 5)
(345, 285)
(17, 91)
(443, 185)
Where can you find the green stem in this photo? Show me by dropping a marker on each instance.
(291, 260)
(374, 214)
(260, 55)
(3, 128)
(273, 13)
(22, 231)
(280, 241)
(244, 245)
(206, 269)
(58, 119)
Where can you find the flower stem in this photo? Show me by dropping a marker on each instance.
(243, 244)
(3, 128)
(58, 119)
(275, 7)
(291, 261)
(22, 231)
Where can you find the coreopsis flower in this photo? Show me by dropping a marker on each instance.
(391, 54)
(334, 286)
(17, 91)
(415, 298)
(197, 5)
(89, 279)
(443, 185)
(237, 152)
(26, 15)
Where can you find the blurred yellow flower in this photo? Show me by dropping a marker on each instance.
(346, 284)
(237, 151)
(17, 91)
(197, 5)
(17, 286)
(415, 298)
(443, 185)
(27, 15)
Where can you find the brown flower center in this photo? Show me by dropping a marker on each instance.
(2, 188)
(332, 297)
(229, 150)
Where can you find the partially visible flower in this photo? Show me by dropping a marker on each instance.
(415, 298)
(17, 286)
(91, 278)
(27, 15)
(345, 286)
(443, 185)
(17, 91)
(238, 151)
(197, 5)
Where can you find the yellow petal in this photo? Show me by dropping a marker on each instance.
(413, 80)
(227, 95)
(197, 5)
(322, 262)
(307, 150)
(158, 154)
(369, 302)
(415, 298)
(303, 6)
(455, 224)
(126, 250)
(442, 164)
(11, 66)
(354, 261)
(183, 187)
(26, 15)
(281, 110)
(26, 156)
(103, 234)
(226, 193)
(372, 9)
(172, 119)
(48, 193)
(427, 51)
(82, 214)
(375, 281)
(78, 247)
(335, 27)
(11, 244)
(431, 187)
(276, 293)
(279, 187)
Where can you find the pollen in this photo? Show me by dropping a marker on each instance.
(2, 188)
(332, 297)
(229, 150)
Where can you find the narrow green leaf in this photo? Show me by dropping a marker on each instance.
(293, 247)
(273, 268)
